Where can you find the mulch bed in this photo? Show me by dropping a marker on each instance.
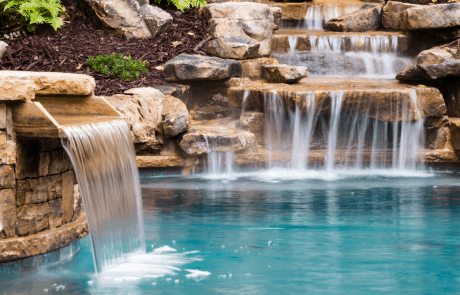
(68, 49)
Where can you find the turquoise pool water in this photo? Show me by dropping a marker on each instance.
(281, 233)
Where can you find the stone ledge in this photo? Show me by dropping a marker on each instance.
(43, 242)
(24, 85)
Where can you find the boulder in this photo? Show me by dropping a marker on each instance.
(203, 139)
(432, 17)
(283, 73)
(252, 68)
(129, 17)
(175, 116)
(142, 110)
(434, 55)
(233, 47)
(392, 14)
(158, 21)
(367, 18)
(3, 48)
(450, 67)
(242, 29)
(186, 67)
(210, 113)
(401, 16)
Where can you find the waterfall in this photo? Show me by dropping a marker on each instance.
(318, 15)
(347, 55)
(103, 157)
(218, 162)
(340, 136)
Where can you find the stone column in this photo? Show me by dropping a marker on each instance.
(7, 173)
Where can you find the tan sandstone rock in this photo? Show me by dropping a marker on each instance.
(252, 68)
(243, 30)
(43, 242)
(38, 190)
(283, 73)
(32, 218)
(56, 213)
(7, 213)
(46, 83)
(7, 177)
(68, 196)
(176, 118)
(367, 18)
(203, 139)
(143, 114)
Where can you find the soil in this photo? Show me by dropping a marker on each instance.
(68, 49)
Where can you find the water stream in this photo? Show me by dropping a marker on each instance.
(105, 164)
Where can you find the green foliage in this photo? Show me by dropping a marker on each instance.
(184, 4)
(117, 65)
(35, 11)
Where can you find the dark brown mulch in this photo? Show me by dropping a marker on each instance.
(68, 49)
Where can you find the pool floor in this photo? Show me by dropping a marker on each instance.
(256, 233)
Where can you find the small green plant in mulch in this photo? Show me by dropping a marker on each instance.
(117, 65)
(31, 13)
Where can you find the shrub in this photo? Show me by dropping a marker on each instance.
(184, 4)
(34, 11)
(117, 65)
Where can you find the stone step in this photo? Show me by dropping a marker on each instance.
(313, 15)
(324, 42)
(385, 100)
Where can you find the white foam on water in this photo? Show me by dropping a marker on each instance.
(196, 274)
(161, 262)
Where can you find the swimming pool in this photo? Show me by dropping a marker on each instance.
(278, 232)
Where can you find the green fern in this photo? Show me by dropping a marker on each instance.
(184, 4)
(38, 11)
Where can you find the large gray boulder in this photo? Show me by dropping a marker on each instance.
(401, 16)
(367, 18)
(130, 17)
(283, 73)
(242, 29)
(175, 116)
(186, 67)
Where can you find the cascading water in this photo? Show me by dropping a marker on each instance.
(348, 55)
(313, 17)
(339, 139)
(103, 157)
(218, 162)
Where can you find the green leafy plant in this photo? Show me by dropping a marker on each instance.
(35, 11)
(117, 65)
(184, 4)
